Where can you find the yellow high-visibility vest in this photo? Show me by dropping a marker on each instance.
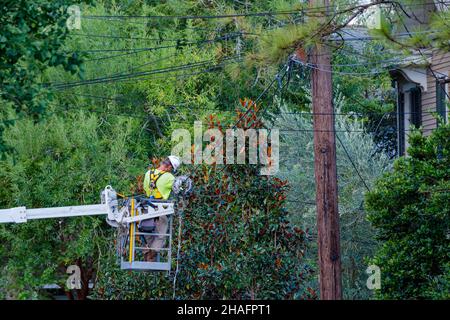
(158, 183)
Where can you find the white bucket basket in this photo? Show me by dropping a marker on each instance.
(135, 242)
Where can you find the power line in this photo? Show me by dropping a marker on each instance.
(87, 35)
(421, 53)
(140, 50)
(365, 63)
(145, 64)
(257, 99)
(281, 129)
(366, 57)
(352, 162)
(145, 117)
(135, 75)
(193, 17)
(104, 36)
(184, 105)
(360, 74)
(312, 66)
(368, 38)
(127, 76)
(216, 29)
(181, 43)
(355, 131)
(301, 10)
(214, 68)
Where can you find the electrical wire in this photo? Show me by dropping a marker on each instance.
(181, 43)
(150, 49)
(352, 162)
(421, 53)
(395, 36)
(185, 105)
(104, 36)
(191, 17)
(303, 10)
(135, 76)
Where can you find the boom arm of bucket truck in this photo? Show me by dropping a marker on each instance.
(109, 206)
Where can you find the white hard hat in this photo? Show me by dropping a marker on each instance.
(175, 162)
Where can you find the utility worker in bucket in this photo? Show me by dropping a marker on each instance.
(158, 185)
(158, 182)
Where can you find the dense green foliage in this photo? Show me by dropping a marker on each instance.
(113, 93)
(242, 243)
(59, 162)
(237, 243)
(410, 212)
(32, 39)
(134, 116)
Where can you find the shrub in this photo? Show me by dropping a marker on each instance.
(410, 207)
(59, 162)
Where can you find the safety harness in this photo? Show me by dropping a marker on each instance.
(153, 179)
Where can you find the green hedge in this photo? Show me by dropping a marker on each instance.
(410, 209)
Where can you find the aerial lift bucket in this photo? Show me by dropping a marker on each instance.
(134, 242)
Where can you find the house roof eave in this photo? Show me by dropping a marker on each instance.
(417, 76)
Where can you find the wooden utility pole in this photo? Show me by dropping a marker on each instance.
(325, 169)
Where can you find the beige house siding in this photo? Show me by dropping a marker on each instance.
(411, 76)
(440, 64)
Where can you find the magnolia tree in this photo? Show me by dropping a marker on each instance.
(297, 167)
(236, 243)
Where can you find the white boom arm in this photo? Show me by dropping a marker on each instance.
(22, 214)
(108, 206)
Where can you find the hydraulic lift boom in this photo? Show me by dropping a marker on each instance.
(126, 217)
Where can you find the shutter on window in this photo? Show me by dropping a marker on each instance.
(401, 124)
(440, 98)
(416, 107)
